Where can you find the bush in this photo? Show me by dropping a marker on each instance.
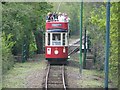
(7, 57)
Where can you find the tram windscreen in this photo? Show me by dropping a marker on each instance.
(56, 39)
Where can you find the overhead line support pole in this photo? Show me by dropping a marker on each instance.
(84, 59)
(81, 15)
(107, 44)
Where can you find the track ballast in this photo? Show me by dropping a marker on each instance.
(55, 77)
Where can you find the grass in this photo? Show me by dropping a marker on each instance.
(0, 84)
(0, 65)
(93, 79)
(16, 77)
(90, 78)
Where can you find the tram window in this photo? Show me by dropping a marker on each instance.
(56, 39)
(63, 38)
(66, 39)
(48, 38)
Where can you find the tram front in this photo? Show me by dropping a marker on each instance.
(56, 41)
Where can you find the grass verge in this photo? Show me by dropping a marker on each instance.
(16, 77)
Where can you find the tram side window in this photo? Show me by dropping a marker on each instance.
(63, 38)
(56, 39)
(48, 38)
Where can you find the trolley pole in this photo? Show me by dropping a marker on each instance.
(81, 15)
(107, 44)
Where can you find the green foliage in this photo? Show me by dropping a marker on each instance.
(33, 48)
(98, 23)
(20, 20)
(74, 18)
(114, 42)
(72, 9)
(7, 43)
(7, 57)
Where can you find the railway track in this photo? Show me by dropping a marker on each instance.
(55, 77)
(74, 47)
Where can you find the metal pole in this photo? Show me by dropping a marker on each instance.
(58, 7)
(81, 14)
(84, 60)
(107, 44)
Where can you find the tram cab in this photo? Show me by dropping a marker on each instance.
(56, 41)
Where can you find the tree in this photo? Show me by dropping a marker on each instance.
(98, 19)
(17, 21)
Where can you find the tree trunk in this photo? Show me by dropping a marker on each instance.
(39, 41)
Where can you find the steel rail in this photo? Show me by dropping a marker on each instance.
(63, 77)
(46, 79)
(74, 50)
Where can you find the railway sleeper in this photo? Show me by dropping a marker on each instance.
(55, 79)
(55, 82)
(55, 86)
(55, 72)
(56, 76)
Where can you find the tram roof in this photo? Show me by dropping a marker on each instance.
(56, 22)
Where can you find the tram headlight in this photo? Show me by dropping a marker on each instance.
(56, 52)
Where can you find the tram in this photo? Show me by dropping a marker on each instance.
(56, 41)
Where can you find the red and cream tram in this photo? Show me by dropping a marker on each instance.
(56, 41)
